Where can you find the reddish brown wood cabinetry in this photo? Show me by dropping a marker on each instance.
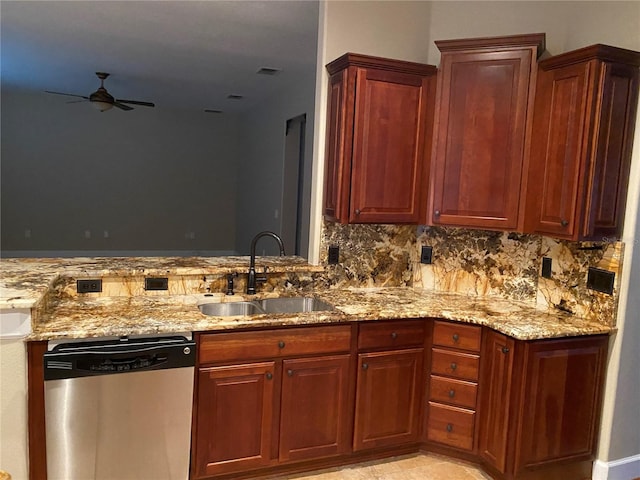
(540, 406)
(378, 139)
(389, 384)
(453, 385)
(483, 108)
(583, 127)
(293, 403)
(497, 383)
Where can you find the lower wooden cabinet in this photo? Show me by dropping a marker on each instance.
(294, 406)
(235, 413)
(314, 418)
(271, 400)
(540, 405)
(388, 398)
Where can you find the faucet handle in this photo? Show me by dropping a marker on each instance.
(230, 277)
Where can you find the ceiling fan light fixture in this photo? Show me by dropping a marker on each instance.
(101, 106)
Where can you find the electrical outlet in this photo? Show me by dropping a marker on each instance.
(156, 283)
(600, 280)
(426, 256)
(546, 267)
(89, 286)
(334, 255)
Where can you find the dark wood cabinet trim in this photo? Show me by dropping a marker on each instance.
(605, 53)
(36, 411)
(379, 63)
(537, 40)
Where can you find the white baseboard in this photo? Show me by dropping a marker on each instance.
(623, 469)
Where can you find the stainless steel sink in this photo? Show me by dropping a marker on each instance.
(266, 306)
(294, 305)
(230, 309)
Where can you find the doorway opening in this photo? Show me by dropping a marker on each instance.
(293, 219)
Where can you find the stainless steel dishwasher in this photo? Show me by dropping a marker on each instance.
(119, 408)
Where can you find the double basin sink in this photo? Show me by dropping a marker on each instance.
(266, 306)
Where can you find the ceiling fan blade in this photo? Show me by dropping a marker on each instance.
(67, 94)
(122, 106)
(76, 101)
(136, 102)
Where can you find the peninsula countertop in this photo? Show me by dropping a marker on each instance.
(87, 316)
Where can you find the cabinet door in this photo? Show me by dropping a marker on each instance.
(560, 132)
(496, 382)
(478, 157)
(388, 398)
(339, 143)
(388, 182)
(315, 415)
(562, 398)
(235, 406)
(616, 120)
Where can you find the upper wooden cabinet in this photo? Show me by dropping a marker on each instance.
(483, 107)
(378, 139)
(583, 126)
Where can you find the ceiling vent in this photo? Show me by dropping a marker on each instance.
(233, 96)
(268, 71)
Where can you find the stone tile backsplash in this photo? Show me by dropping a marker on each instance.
(475, 262)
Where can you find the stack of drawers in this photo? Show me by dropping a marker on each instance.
(453, 384)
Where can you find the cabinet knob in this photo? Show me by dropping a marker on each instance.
(357, 212)
(290, 372)
(564, 223)
(449, 427)
(394, 335)
(454, 366)
(436, 213)
(269, 375)
(281, 344)
(505, 350)
(365, 366)
(456, 337)
(452, 393)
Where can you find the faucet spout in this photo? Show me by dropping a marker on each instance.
(252, 279)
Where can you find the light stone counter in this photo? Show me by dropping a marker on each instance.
(62, 315)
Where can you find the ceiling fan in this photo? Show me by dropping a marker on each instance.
(102, 100)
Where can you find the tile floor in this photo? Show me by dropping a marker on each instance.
(406, 467)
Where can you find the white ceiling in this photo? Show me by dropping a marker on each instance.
(178, 54)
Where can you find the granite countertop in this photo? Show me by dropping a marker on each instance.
(24, 283)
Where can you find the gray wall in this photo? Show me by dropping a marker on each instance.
(261, 166)
(158, 181)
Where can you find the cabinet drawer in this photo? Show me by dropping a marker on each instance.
(455, 392)
(222, 347)
(451, 426)
(391, 335)
(455, 364)
(457, 335)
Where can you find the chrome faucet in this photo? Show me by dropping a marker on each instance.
(252, 278)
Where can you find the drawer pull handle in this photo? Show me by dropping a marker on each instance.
(505, 350)
(269, 375)
(357, 212)
(394, 335)
(365, 366)
(456, 337)
(452, 393)
(454, 366)
(449, 427)
(436, 213)
(564, 223)
(281, 344)
(290, 372)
